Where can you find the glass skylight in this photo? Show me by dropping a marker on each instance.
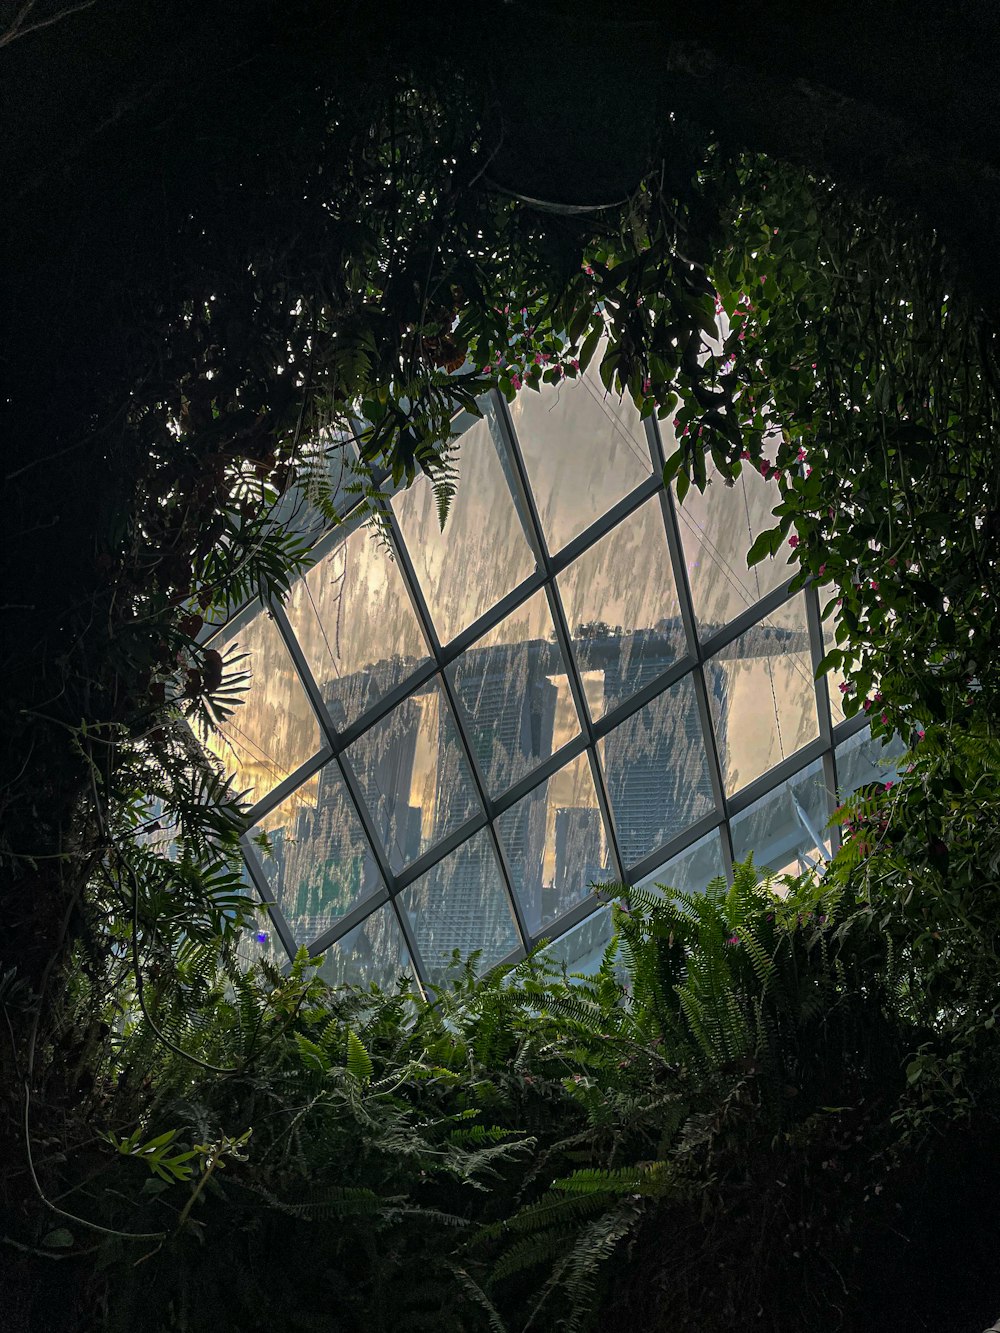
(450, 738)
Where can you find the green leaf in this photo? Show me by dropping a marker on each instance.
(590, 346)
(359, 1062)
(59, 1239)
(765, 546)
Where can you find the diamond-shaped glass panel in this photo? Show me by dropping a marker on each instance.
(657, 772)
(374, 951)
(763, 695)
(622, 609)
(556, 845)
(691, 871)
(353, 618)
(482, 552)
(314, 855)
(514, 693)
(786, 830)
(414, 776)
(861, 760)
(461, 904)
(272, 729)
(717, 529)
(584, 449)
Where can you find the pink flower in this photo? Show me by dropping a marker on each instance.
(892, 562)
(920, 735)
(776, 231)
(885, 719)
(762, 280)
(844, 687)
(874, 584)
(574, 363)
(889, 786)
(487, 370)
(516, 381)
(793, 542)
(538, 358)
(801, 456)
(809, 471)
(645, 384)
(745, 454)
(868, 704)
(733, 939)
(822, 570)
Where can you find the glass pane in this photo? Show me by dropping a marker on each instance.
(461, 904)
(763, 695)
(583, 450)
(786, 830)
(482, 552)
(358, 631)
(375, 952)
(657, 772)
(582, 948)
(259, 939)
(717, 530)
(414, 776)
(835, 678)
(861, 760)
(556, 845)
(513, 687)
(314, 855)
(622, 609)
(274, 729)
(691, 871)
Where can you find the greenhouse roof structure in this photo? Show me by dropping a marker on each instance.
(450, 737)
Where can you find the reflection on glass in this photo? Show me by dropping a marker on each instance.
(556, 845)
(414, 775)
(274, 729)
(861, 760)
(582, 948)
(513, 688)
(356, 626)
(717, 530)
(461, 904)
(482, 552)
(763, 695)
(785, 830)
(584, 449)
(314, 855)
(622, 608)
(693, 870)
(657, 772)
(374, 951)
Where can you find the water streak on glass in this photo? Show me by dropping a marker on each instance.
(514, 693)
(373, 952)
(622, 609)
(273, 729)
(556, 844)
(583, 448)
(353, 618)
(717, 529)
(482, 553)
(414, 775)
(786, 830)
(763, 695)
(315, 857)
(657, 772)
(461, 904)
